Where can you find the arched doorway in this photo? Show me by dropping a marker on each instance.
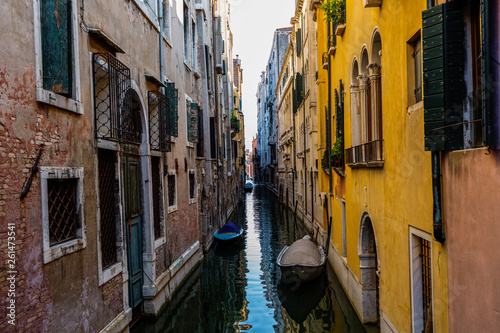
(133, 196)
(367, 251)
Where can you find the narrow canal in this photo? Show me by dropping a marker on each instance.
(239, 290)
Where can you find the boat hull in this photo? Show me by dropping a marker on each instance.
(229, 238)
(298, 275)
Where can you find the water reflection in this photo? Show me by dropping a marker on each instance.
(238, 289)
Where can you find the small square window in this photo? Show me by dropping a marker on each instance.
(63, 224)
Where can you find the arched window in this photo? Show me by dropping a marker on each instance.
(375, 82)
(355, 106)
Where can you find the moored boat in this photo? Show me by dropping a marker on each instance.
(301, 262)
(229, 233)
(248, 186)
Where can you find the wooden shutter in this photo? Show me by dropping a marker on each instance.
(193, 123)
(213, 152)
(200, 146)
(298, 41)
(299, 87)
(55, 20)
(443, 68)
(486, 76)
(173, 95)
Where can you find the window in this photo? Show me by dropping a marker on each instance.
(167, 21)
(421, 281)
(172, 191)
(414, 69)
(56, 44)
(192, 187)
(187, 37)
(191, 122)
(107, 207)
(194, 53)
(62, 212)
(159, 120)
(200, 146)
(157, 197)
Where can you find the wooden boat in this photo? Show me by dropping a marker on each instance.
(301, 262)
(229, 233)
(248, 186)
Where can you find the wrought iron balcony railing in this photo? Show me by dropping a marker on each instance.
(370, 154)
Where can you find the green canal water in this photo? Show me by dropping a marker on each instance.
(238, 289)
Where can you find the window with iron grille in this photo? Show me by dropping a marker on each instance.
(192, 186)
(421, 281)
(107, 207)
(114, 117)
(63, 218)
(63, 226)
(56, 46)
(159, 115)
(157, 197)
(172, 191)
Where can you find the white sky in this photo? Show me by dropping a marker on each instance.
(253, 23)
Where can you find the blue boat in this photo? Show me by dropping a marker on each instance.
(229, 233)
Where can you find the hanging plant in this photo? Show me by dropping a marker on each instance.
(334, 11)
(335, 155)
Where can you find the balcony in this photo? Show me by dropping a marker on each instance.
(332, 44)
(372, 3)
(325, 60)
(366, 155)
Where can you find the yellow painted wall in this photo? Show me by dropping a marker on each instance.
(399, 195)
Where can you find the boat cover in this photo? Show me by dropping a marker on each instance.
(229, 228)
(302, 252)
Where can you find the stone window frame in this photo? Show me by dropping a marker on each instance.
(110, 272)
(412, 103)
(51, 253)
(414, 232)
(72, 104)
(172, 208)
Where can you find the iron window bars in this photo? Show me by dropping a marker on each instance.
(159, 121)
(114, 118)
(63, 215)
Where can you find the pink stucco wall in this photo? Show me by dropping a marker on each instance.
(471, 195)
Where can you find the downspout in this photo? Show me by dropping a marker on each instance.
(436, 194)
(437, 211)
(328, 147)
(160, 20)
(304, 119)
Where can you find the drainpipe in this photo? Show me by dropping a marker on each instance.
(436, 193)
(328, 146)
(304, 120)
(160, 20)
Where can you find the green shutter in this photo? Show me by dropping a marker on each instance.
(486, 75)
(192, 121)
(443, 68)
(299, 88)
(298, 41)
(173, 95)
(55, 20)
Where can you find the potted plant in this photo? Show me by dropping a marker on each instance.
(235, 123)
(335, 155)
(334, 11)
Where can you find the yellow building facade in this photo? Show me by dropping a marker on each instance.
(380, 199)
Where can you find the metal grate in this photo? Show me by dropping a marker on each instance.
(171, 190)
(191, 185)
(156, 179)
(62, 204)
(114, 118)
(159, 121)
(107, 204)
(426, 282)
(372, 151)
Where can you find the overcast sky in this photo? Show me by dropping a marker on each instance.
(253, 23)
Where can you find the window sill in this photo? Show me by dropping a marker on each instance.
(192, 201)
(110, 273)
(60, 250)
(374, 164)
(160, 241)
(172, 209)
(61, 102)
(190, 145)
(415, 107)
(188, 65)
